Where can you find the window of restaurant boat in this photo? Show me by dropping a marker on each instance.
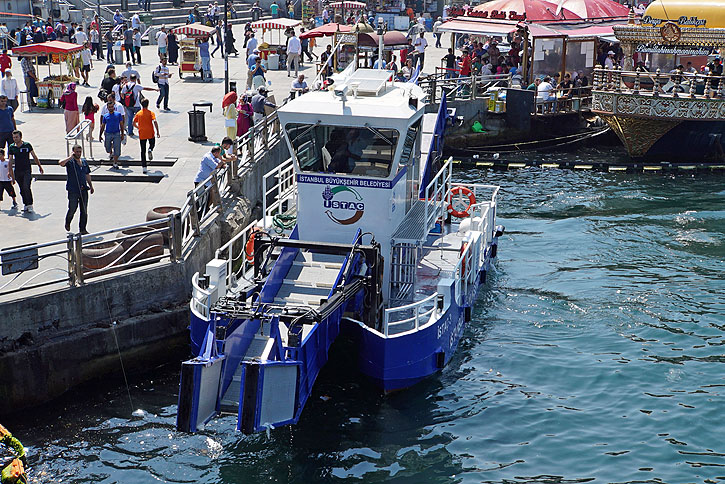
(363, 151)
(580, 58)
(547, 56)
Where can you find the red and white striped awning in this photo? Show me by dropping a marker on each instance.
(349, 5)
(194, 30)
(277, 23)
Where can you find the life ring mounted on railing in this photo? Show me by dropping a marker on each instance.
(458, 201)
(249, 248)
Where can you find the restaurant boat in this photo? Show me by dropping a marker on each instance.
(660, 112)
(373, 243)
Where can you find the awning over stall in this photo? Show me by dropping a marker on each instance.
(392, 39)
(45, 48)
(194, 30)
(277, 23)
(477, 27)
(348, 5)
(528, 10)
(326, 30)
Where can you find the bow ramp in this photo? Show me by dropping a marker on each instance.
(265, 344)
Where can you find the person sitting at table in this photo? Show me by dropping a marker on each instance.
(299, 86)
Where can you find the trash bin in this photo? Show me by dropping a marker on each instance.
(233, 86)
(273, 62)
(197, 128)
(117, 53)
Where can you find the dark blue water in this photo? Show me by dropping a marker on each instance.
(596, 354)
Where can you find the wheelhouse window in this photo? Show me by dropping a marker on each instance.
(363, 151)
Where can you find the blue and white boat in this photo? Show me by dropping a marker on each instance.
(386, 251)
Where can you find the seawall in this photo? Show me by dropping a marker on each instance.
(51, 342)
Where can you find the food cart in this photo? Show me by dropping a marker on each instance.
(189, 59)
(274, 50)
(350, 8)
(51, 87)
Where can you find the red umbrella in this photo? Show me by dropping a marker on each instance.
(595, 9)
(326, 30)
(229, 98)
(535, 11)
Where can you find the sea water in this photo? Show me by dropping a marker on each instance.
(596, 353)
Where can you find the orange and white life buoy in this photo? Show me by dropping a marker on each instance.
(458, 195)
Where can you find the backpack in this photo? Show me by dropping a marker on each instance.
(128, 98)
(155, 76)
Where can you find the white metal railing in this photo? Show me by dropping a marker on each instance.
(410, 314)
(79, 133)
(236, 253)
(200, 299)
(283, 191)
(437, 195)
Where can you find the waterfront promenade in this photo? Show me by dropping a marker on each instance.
(125, 200)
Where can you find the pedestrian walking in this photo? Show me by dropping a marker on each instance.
(162, 74)
(128, 43)
(173, 47)
(89, 111)
(229, 111)
(108, 38)
(436, 31)
(147, 5)
(7, 121)
(294, 50)
(205, 59)
(219, 39)
(6, 179)
(87, 63)
(305, 43)
(420, 45)
(162, 40)
(251, 44)
(148, 131)
(30, 79)
(112, 126)
(22, 171)
(131, 99)
(5, 62)
(255, 76)
(137, 45)
(78, 185)
(69, 102)
(95, 38)
(229, 42)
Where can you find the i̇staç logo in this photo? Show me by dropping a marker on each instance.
(344, 205)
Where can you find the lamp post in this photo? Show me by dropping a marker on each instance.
(381, 32)
(224, 47)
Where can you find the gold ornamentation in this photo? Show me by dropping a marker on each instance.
(671, 32)
(637, 134)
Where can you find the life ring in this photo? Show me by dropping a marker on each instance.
(249, 248)
(463, 262)
(461, 191)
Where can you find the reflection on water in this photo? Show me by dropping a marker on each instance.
(594, 355)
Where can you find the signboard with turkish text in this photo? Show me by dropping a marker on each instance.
(493, 15)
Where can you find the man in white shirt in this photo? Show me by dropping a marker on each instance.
(437, 34)
(80, 37)
(9, 88)
(545, 90)
(251, 44)
(86, 63)
(132, 90)
(294, 49)
(162, 40)
(609, 61)
(420, 46)
(136, 21)
(94, 37)
(119, 107)
(163, 74)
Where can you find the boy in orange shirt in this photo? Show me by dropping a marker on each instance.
(145, 122)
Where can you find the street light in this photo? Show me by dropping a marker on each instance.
(224, 47)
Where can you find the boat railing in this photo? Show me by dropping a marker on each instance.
(409, 317)
(200, 299)
(466, 271)
(437, 195)
(673, 84)
(483, 212)
(281, 196)
(238, 257)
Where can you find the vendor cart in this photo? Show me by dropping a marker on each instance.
(273, 49)
(346, 9)
(51, 87)
(189, 58)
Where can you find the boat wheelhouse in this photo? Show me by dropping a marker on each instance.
(373, 241)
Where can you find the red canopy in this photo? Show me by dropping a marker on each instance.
(392, 38)
(45, 48)
(326, 30)
(596, 9)
(194, 30)
(349, 5)
(535, 11)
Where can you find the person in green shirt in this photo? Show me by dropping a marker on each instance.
(534, 86)
(274, 8)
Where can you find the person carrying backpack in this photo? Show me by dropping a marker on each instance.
(131, 99)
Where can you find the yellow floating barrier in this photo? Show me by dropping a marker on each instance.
(484, 163)
(517, 165)
(550, 165)
(652, 168)
(583, 167)
(617, 168)
(688, 167)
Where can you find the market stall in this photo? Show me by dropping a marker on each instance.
(327, 30)
(189, 59)
(345, 9)
(274, 48)
(52, 86)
